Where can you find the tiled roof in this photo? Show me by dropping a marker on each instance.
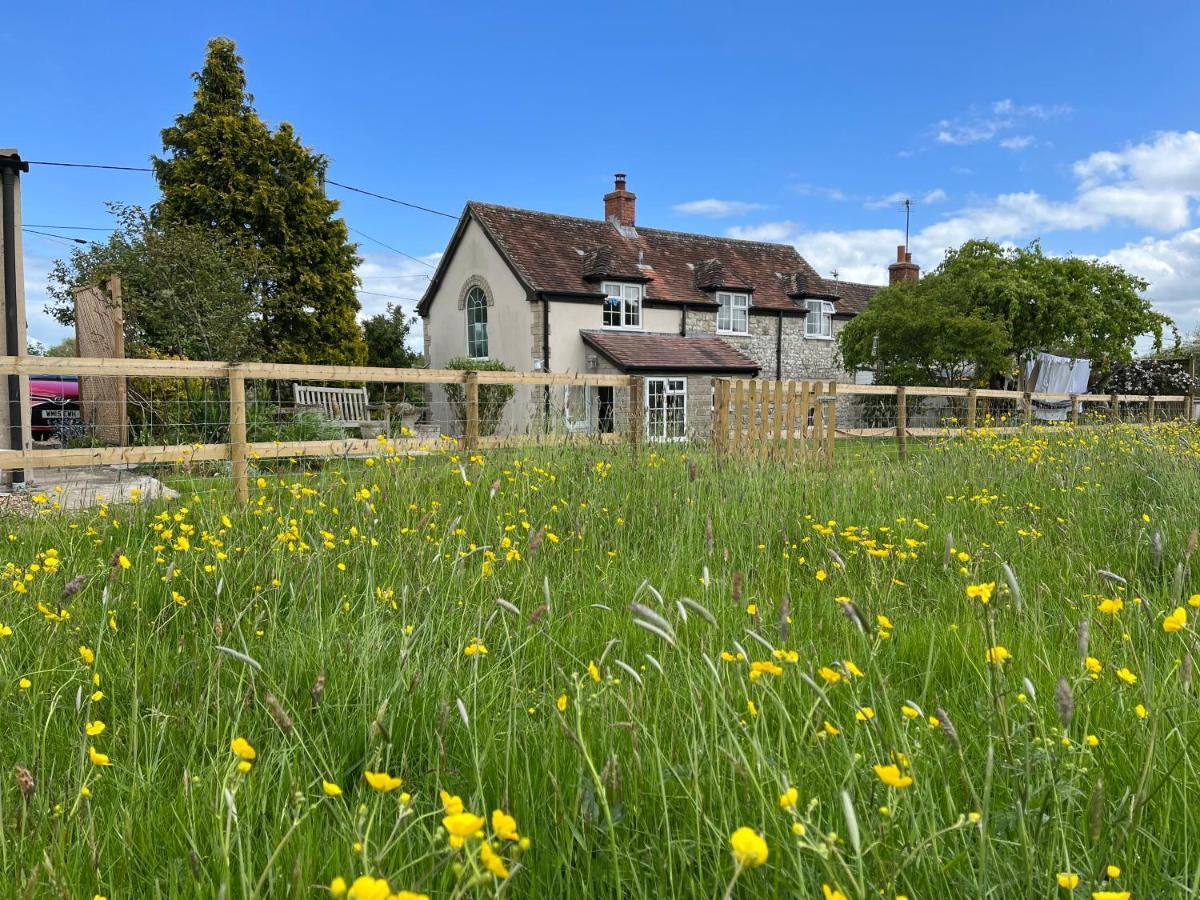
(634, 351)
(565, 254)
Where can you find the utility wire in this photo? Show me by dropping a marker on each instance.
(57, 237)
(70, 227)
(393, 249)
(392, 296)
(68, 165)
(436, 212)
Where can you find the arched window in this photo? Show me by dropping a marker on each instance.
(477, 326)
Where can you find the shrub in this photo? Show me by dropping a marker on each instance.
(492, 397)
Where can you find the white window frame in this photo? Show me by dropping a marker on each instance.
(672, 386)
(487, 338)
(629, 305)
(820, 314)
(729, 305)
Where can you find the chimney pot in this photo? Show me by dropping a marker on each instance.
(903, 269)
(899, 253)
(620, 181)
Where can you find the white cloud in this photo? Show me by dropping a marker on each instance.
(396, 280)
(1018, 142)
(976, 127)
(716, 209)
(1172, 267)
(1171, 161)
(937, 195)
(816, 190)
(771, 232)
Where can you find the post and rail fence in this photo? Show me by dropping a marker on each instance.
(747, 418)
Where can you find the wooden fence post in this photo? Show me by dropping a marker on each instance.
(637, 409)
(972, 407)
(777, 443)
(1027, 411)
(1074, 409)
(739, 411)
(901, 424)
(1150, 410)
(720, 419)
(471, 426)
(1115, 409)
(830, 422)
(237, 434)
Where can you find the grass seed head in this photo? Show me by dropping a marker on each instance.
(73, 587)
(25, 782)
(1064, 701)
(282, 719)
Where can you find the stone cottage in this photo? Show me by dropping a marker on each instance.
(542, 292)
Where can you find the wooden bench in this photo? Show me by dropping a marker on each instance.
(346, 407)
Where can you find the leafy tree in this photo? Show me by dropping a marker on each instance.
(66, 347)
(492, 397)
(186, 290)
(1067, 305)
(223, 168)
(386, 334)
(914, 337)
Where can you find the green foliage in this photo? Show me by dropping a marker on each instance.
(187, 290)
(912, 336)
(492, 397)
(1067, 305)
(64, 348)
(386, 334)
(224, 168)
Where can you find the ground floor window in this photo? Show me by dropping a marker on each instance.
(666, 409)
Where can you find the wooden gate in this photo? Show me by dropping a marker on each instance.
(777, 419)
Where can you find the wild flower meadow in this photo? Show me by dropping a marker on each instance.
(617, 673)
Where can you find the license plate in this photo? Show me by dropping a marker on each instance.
(60, 413)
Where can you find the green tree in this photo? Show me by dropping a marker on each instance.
(1067, 305)
(186, 290)
(910, 336)
(386, 334)
(224, 168)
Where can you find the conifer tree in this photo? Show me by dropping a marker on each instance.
(224, 168)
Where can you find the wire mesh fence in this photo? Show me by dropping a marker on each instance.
(139, 428)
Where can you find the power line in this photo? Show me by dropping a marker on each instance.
(392, 296)
(58, 237)
(436, 212)
(393, 249)
(70, 227)
(70, 165)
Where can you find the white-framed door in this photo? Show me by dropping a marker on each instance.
(666, 409)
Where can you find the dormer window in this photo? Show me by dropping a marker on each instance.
(819, 321)
(622, 305)
(733, 316)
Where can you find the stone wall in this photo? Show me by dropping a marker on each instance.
(803, 358)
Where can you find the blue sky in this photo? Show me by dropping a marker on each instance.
(1075, 123)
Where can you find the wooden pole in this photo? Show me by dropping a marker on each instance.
(815, 436)
(791, 421)
(1074, 409)
(830, 422)
(1115, 409)
(739, 412)
(720, 420)
(237, 434)
(471, 426)
(972, 409)
(901, 424)
(637, 410)
(751, 412)
(777, 443)
(1150, 410)
(1027, 408)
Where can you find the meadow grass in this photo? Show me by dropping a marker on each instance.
(632, 653)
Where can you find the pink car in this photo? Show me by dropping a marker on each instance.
(54, 402)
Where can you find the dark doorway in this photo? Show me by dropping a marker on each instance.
(604, 411)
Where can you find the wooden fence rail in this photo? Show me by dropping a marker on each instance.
(785, 420)
(239, 451)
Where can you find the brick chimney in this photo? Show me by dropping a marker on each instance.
(620, 204)
(903, 269)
